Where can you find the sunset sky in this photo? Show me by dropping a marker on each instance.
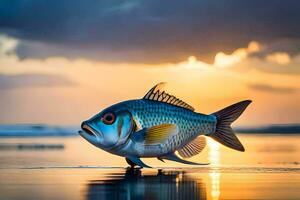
(63, 61)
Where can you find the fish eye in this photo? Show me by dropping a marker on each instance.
(108, 118)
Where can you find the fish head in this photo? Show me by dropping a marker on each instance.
(109, 128)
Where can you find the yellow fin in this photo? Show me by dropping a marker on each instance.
(193, 148)
(159, 133)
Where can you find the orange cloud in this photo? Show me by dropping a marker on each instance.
(208, 87)
(227, 60)
(281, 58)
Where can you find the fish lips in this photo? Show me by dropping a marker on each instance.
(89, 133)
(93, 136)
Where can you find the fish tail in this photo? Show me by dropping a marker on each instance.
(224, 133)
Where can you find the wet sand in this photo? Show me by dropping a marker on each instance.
(269, 169)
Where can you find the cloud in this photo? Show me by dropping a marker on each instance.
(227, 60)
(273, 89)
(33, 80)
(145, 31)
(47, 84)
(16, 73)
(255, 57)
(8, 45)
(281, 63)
(287, 45)
(280, 58)
(241, 60)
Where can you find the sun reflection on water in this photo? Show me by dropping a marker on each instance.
(214, 159)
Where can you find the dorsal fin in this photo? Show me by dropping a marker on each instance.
(193, 148)
(157, 94)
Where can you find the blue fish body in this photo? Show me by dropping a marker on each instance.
(158, 125)
(149, 113)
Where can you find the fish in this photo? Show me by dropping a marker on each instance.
(161, 126)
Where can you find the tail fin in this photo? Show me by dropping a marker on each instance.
(224, 133)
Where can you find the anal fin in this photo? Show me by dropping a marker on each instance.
(193, 148)
(174, 157)
(160, 159)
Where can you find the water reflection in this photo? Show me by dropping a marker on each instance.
(134, 185)
(214, 159)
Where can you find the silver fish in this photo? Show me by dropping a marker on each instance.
(158, 125)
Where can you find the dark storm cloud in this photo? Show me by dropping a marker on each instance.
(147, 31)
(269, 88)
(32, 80)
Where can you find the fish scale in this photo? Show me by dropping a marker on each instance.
(159, 124)
(148, 113)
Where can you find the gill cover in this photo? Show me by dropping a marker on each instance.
(111, 128)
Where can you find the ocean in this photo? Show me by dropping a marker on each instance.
(70, 168)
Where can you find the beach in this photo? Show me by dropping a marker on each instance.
(71, 168)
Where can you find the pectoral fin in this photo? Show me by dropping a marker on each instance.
(159, 133)
(138, 162)
(175, 158)
(155, 134)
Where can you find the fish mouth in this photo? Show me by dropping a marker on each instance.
(89, 130)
